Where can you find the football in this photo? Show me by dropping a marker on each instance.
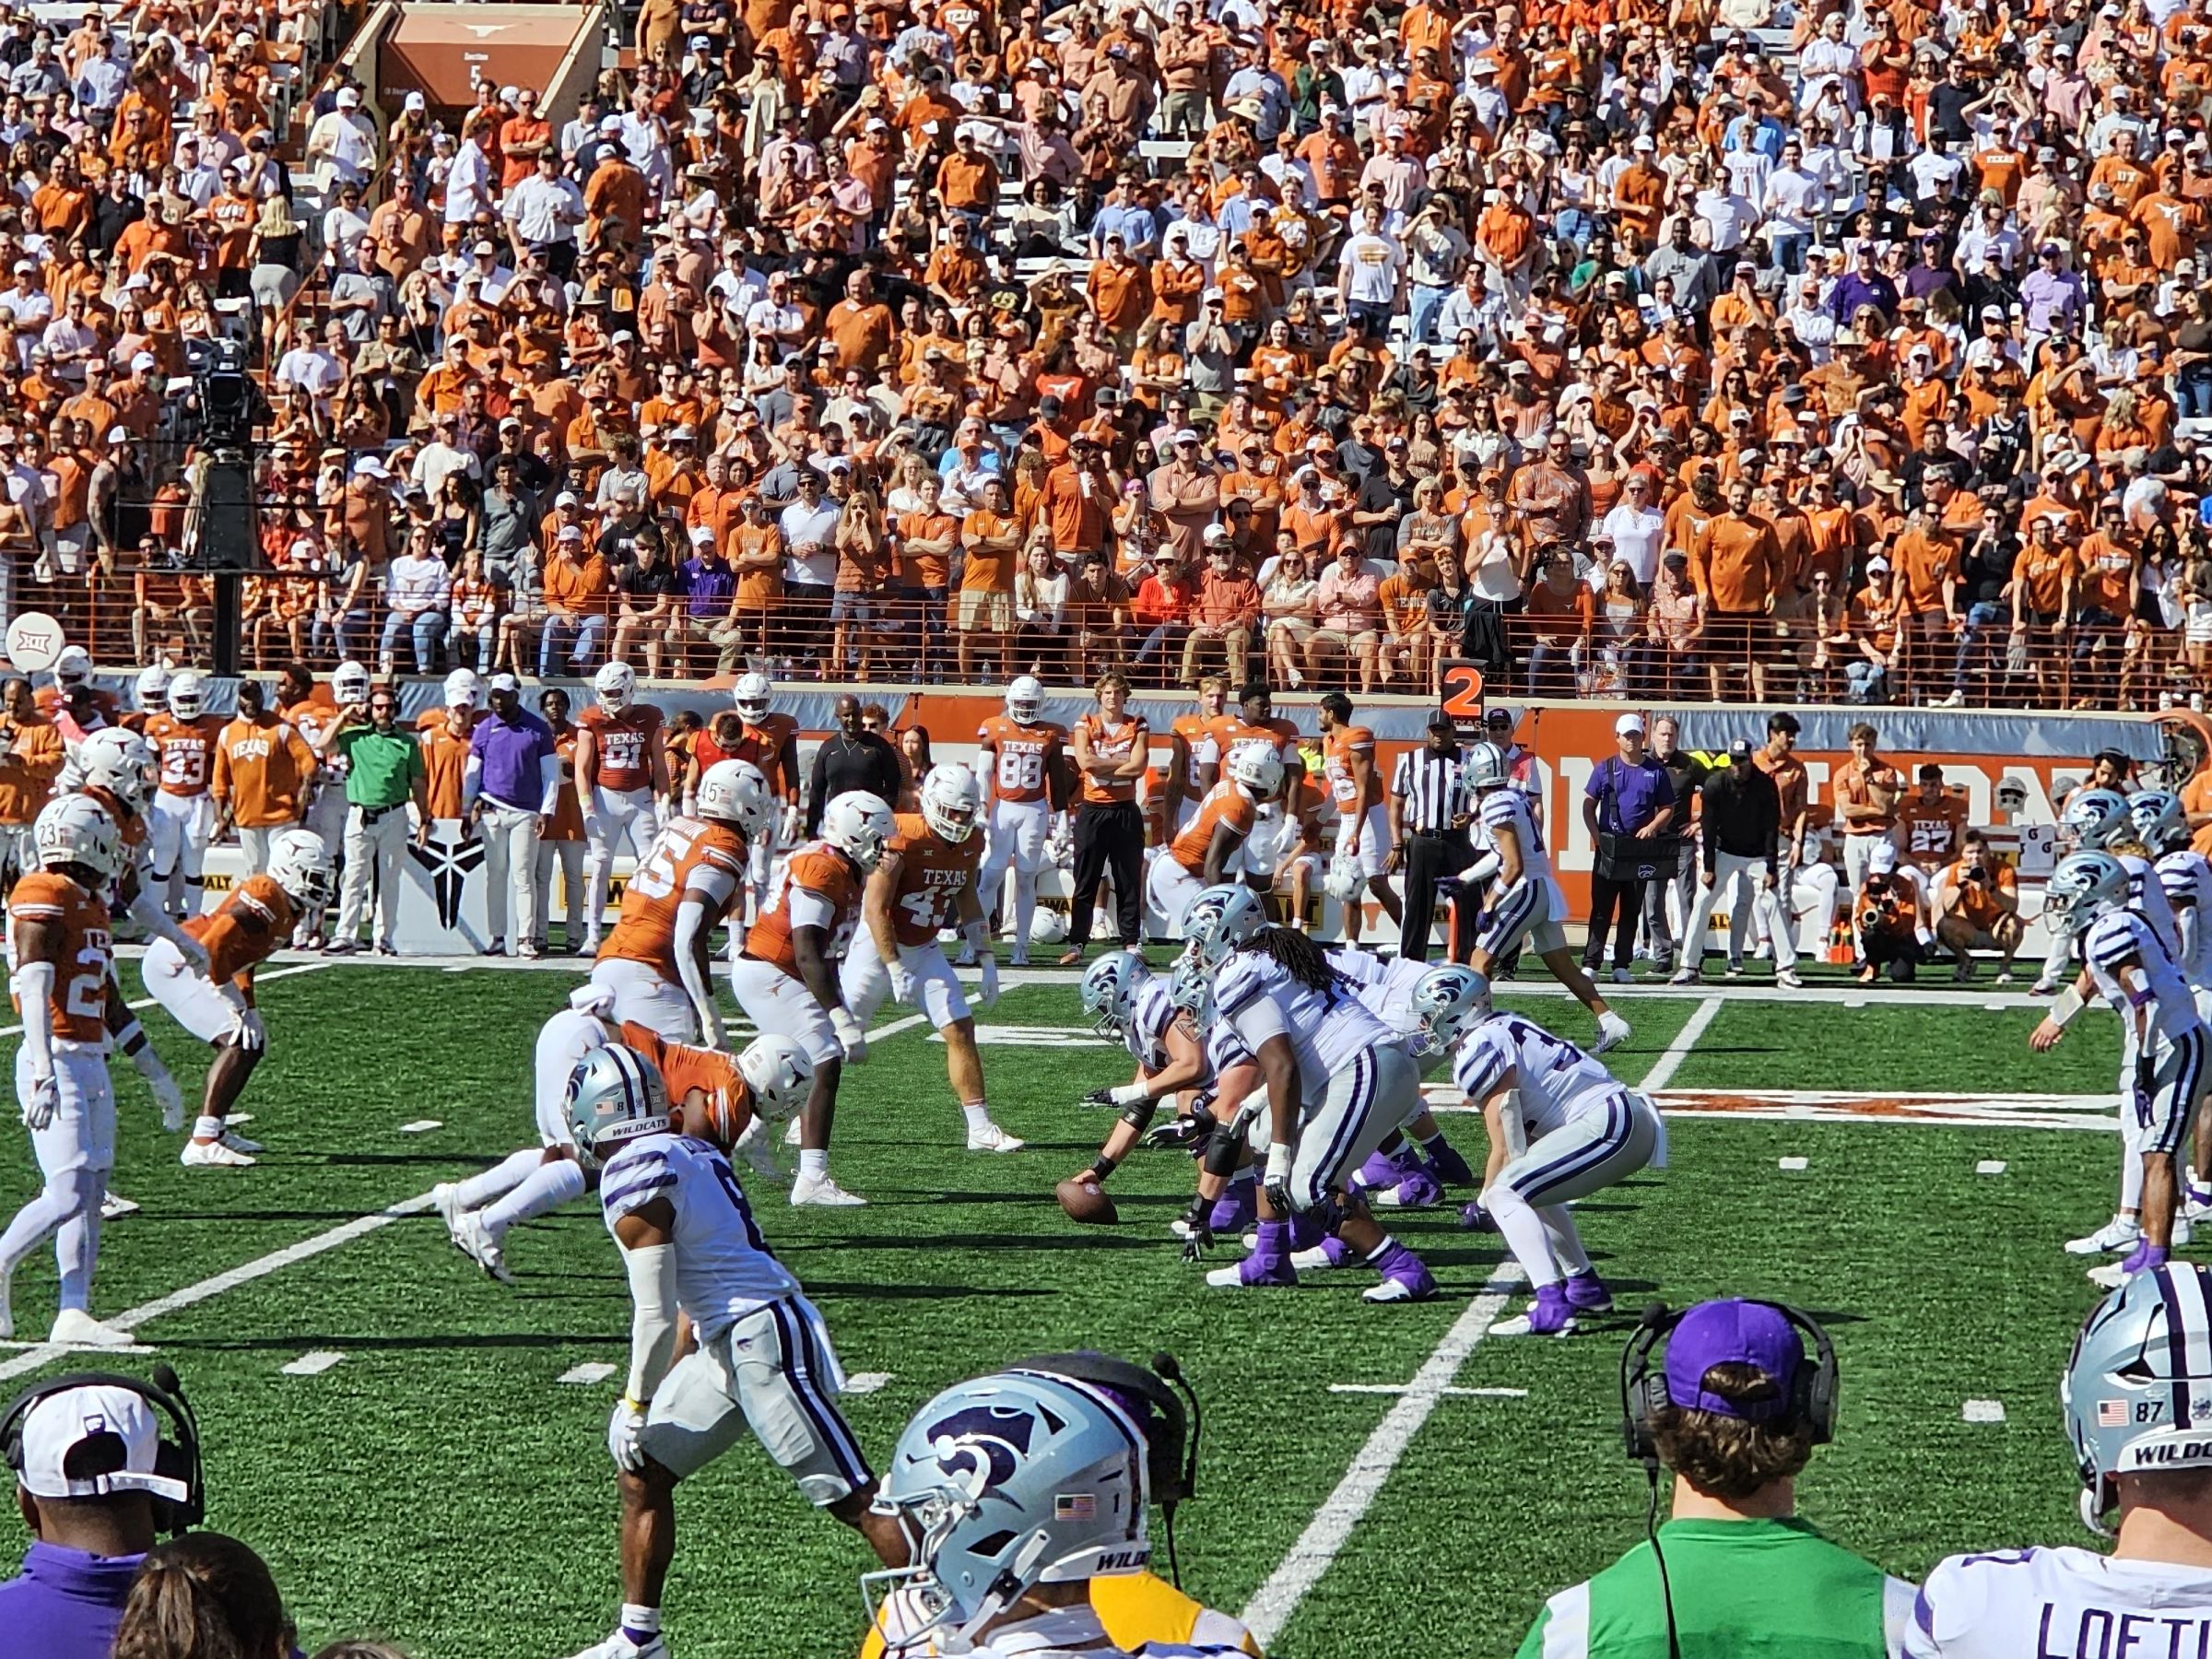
(1086, 1201)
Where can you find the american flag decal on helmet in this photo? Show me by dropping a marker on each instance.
(1074, 1506)
(2111, 1414)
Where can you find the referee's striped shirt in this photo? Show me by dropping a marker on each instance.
(1431, 787)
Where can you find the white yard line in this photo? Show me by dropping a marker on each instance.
(1983, 1411)
(313, 1363)
(1788, 1163)
(259, 978)
(1325, 1536)
(586, 1374)
(1270, 1608)
(1664, 1069)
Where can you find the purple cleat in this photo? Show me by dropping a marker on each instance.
(1449, 1167)
(1405, 1277)
(1307, 1228)
(1417, 1189)
(1549, 1315)
(1587, 1293)
(1235, 1209)
(1268, 1265)
(1331, 1252)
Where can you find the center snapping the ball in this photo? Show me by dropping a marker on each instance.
(1086, 1201)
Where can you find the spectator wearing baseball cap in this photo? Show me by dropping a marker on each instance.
(86, 1485)
(1733, 1410)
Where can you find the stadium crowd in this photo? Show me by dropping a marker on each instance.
(1815, 354)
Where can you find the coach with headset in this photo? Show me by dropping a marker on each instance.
(1735, 1410)
(96, 1481)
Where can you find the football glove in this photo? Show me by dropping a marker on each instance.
(1197, 1235)
(1473, 1218)
(248, 1034)
(1275, 1182)
(45, 1097)
(1183, 1133)
(987, 992)
(903, 983)
(1100, 1096)
(795, 823)
(851, 1034)
(622, 1432)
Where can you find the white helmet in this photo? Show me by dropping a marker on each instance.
(779, 1073)
(860, 826)
(1258, 768)
(1024, 697)
(152, 691)
(951, 800)
(2138, 1389)
(72, 667)
(187, 693)
(2097, 818)
(614, 1095)
(301, 865)
(613, 686)
(2160, 823)
(118, 760)
(1108, 992)
(350, 683)
(1486, 766)
(2083, 887)
(1220, 919)
(1342, 880)
(71, 830)
(735, 792)
(462, 689)
(1447, 1002)
(751, 694)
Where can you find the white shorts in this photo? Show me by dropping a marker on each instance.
(178, 827)
(1589, 1152)
(1531, 910)
(563, 1041)
(1366, 838)
(1018, 833)
(327, 815)
(613, 819)
(783, 1007)
(866, 982)
(1287, 881)
(191, 998)
(1377, 1092)
(1172, 887)
(774, 1372)
(82, 1135)
(644, 995)
(1262, 843)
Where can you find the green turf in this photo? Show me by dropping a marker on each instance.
(439, 1487)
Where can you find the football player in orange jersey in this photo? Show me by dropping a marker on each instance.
(786, 976)
(1189, 750)
(722, 1095)
(183, 815)
(114, 769)
(621, 783)
(1256, 724)
(31, 759)
(74, 694)
(60, 955)
(562, 843)
(655, 961)
(263, 769)
(1362, 836)
(149, 694)
(1021, 756)
(926, 882)
(444, 734)
(1213, 844)
(254, 921)
(315, 716)
(770, 741)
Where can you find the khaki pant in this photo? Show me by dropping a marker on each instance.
(509, 836)
(1234, 644)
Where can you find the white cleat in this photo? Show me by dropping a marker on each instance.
(445, 1197)
(1317, 1260)
(114, 1206)
(2120, 1233)
(591, 949)
(2110, 1276)
(239, 1143)
(1612, 1031)
(620, 1646)
(1521, 1324)
(992, 1139)
(753, 1145)
(213, 1155)
(821, 1190)
(73, 1327)
(2181, 1231)
(475, 1243)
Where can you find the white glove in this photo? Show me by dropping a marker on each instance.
(988, 994)
(622, 1432)
(1276, 1181)
(168, 1097)
(903, 983)
(45, 1096)
(851, 1034)
(795, 825)
(249, 1032)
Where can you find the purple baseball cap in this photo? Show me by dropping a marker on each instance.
(1734, 1332)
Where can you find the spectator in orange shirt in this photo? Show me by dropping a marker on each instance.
(1163, 609)
(576, 587)
(1227, 610)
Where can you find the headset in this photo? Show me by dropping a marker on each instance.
(175, 1459)
(1643, 1396)
(1170, 1430)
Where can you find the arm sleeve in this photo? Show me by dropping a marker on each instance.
(34, 988)
(548, 781)
(652, 1318)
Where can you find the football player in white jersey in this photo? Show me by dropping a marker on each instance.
(1337, 1083)
(2162, 1074)
(2137, 1397)
(2185, 877)
(1528, 905)
(762, 1359)
(2097, 820)
(1127, 1003)
(1561, 1127)
(1017, 1490)
(1386, 984)
(1018, 755)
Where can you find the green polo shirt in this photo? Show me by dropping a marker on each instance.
(382, 765)
(1741, 1589)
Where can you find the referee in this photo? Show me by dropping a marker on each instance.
(1427, 828)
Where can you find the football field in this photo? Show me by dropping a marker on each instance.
(420, 1453)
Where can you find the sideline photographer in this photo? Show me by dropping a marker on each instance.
(1735, 1410)
(1981, 909)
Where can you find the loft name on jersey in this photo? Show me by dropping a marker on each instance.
(2108, 1633)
